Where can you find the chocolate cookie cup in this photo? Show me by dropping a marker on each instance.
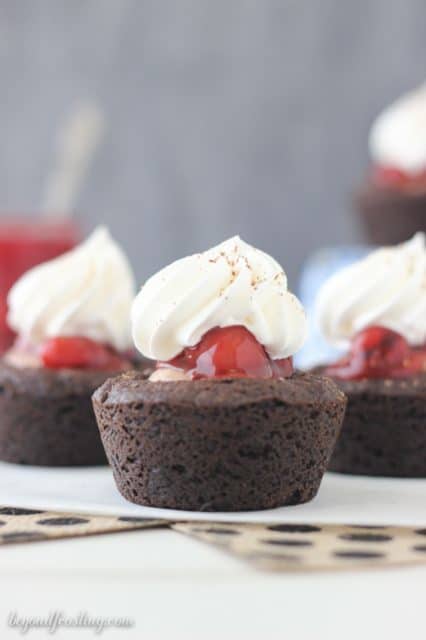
(384, 430)
(47, 416)
(391, 203)
(389, 216)
(71, 318)
(374, 311)
(219, 445)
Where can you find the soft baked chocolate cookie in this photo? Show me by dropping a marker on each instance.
(219, 445)
(389, 216)
(384, 430)
(46, 416)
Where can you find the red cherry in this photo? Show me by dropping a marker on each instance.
(229, 352)
(282, 368)
(389, 176)
(383, 348)
(378, 352)
(416, 361)
(394, 177)
(74, 352)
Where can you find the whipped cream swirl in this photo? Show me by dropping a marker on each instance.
(387, 288)
(398, 136)
(231, 284)
(86, 292)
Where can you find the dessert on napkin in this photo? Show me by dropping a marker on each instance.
(224, 422)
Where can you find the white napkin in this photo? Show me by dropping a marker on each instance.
(341, 499)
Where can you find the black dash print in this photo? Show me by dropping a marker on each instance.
(367, 526)
(14, 511)
(22, 536)
(420, 547)
(2, 523)
(365, 537)
(57, 522)
(220, 532)
(288, 543)
(421, 532)
(359, 555)
(132, 519)
(294, 528)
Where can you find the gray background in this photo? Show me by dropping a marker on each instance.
(224, 116)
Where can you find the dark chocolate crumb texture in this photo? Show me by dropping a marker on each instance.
(384, 430)
(219, 445)
(47, 417)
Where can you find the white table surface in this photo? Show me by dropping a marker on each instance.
(176, 587)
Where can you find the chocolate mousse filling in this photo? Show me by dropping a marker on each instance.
(219, 445)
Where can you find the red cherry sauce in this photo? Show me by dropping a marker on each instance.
(74, 352)
(394, 178)
(25, 243)
(229, 352)
(377, 352)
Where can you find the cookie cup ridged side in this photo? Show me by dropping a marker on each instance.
(384, 429)
(46, 416)
(219, 445)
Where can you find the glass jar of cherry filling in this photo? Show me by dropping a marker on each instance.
(228, 352)
(24, 243)
(378, 352)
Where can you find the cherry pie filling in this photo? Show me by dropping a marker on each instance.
(70, 352)
(228, 352)
(394, 178)
(378, 352)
